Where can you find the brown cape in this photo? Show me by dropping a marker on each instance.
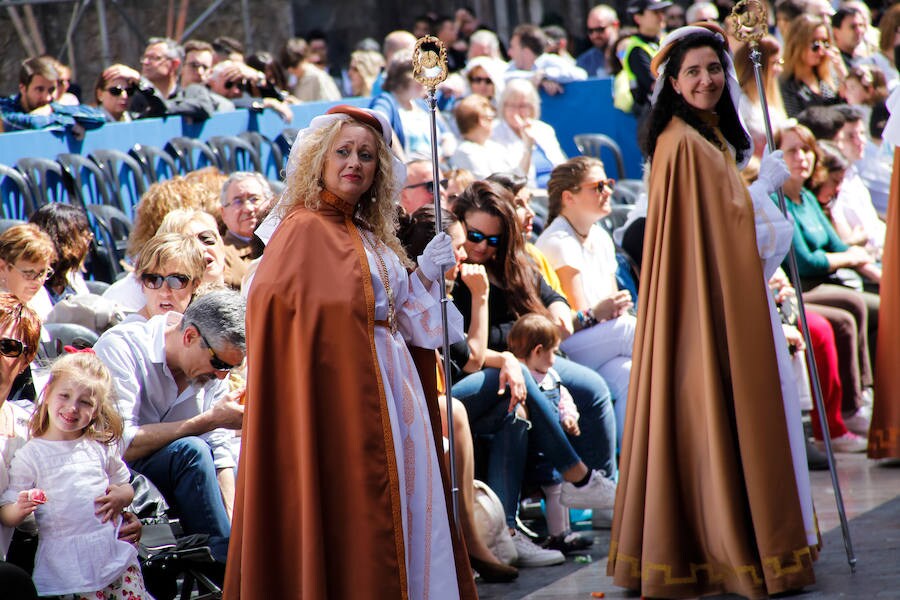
(884, 434)
(317, 510)
(707, 500)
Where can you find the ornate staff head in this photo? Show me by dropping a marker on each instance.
(429, 62)
(749, 22)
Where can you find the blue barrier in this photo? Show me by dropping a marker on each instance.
(584, 107)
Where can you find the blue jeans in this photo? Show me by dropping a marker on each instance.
(186, 476)
(509, 448)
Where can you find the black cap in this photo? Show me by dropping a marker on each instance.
(639, 6)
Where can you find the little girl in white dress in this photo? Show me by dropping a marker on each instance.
(71, 476)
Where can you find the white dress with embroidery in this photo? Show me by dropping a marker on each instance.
(76, 552)
(773, 239)
(429, 550)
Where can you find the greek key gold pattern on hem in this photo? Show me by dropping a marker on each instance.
(715, 573)
(884, 442)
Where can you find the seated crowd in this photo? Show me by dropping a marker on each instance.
(540, 384)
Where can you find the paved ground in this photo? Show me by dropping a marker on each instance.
(872, 499)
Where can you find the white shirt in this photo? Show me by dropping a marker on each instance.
(595, 259)
(544, 136)
(127, 293)
(555, 68)
(853, 206)
(17, 418)
(483, 159)
(146, 391)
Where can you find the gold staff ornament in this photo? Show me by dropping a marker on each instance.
(750, 21)
(429, 61)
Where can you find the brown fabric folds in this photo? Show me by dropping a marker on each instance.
(317, 511)
(884, 434)
(707, 500)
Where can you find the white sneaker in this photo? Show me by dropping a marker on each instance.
(860, 421)
(599, 492)
(532, 555)
(848, 443)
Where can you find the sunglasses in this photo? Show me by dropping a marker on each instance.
(32, 275)
(593, 30)
(429, 185)
(214, 361)
(118, 91)
(11, 348)
(476, 237)
(484, 80)
(238, 83)
(208, 238)
(600, 186)
(819, 45)
(175, 281)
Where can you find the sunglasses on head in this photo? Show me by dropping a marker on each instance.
(118, 90)
(476, 237)
(484, 80)
(175, 281)
(429, 185)
(11, 348)
(819, 45)
(214, 361)
(207, 238)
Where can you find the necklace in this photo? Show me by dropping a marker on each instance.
(582, 236)
(385, 280)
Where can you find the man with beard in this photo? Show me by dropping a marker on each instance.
(169, 377)
(246, 197)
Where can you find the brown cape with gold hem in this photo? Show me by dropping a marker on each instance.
(317, 512)
(707, 500)
(884, 434)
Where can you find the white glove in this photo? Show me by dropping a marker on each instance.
(773, 171)
(437, 257)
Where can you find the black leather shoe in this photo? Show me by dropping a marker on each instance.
(815, 460)
(493, 572)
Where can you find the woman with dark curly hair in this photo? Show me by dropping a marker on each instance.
(68, 227)
(712, 408)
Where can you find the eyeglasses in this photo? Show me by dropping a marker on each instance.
(32, 275)
(600, 186)
(197, 66)
(244, 201)
(429, 185)
(601, 29)
(11, 348)
(175, 281)
(238, 83)
(208, 237)
(476, 237)
(154, 58)
(214, 361)
(818, 45)
(484, 80)
(118, 90)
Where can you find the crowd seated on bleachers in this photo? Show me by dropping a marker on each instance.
(166, 252)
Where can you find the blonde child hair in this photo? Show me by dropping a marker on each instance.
(106, 426)
(528, 332)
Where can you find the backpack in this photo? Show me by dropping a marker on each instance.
(490, 521)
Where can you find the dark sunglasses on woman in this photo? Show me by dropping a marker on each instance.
(175, 281)
(476, 237)
(118, 91)
(11, 348)
(484, 80)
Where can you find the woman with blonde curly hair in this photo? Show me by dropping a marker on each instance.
(159, 199)
(332, 387)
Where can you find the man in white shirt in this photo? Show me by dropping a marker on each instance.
(529, 59)
(169, 377)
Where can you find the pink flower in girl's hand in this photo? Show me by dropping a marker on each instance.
(37, 495)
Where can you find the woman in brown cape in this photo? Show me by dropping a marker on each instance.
(706, 499)
(340, 491)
